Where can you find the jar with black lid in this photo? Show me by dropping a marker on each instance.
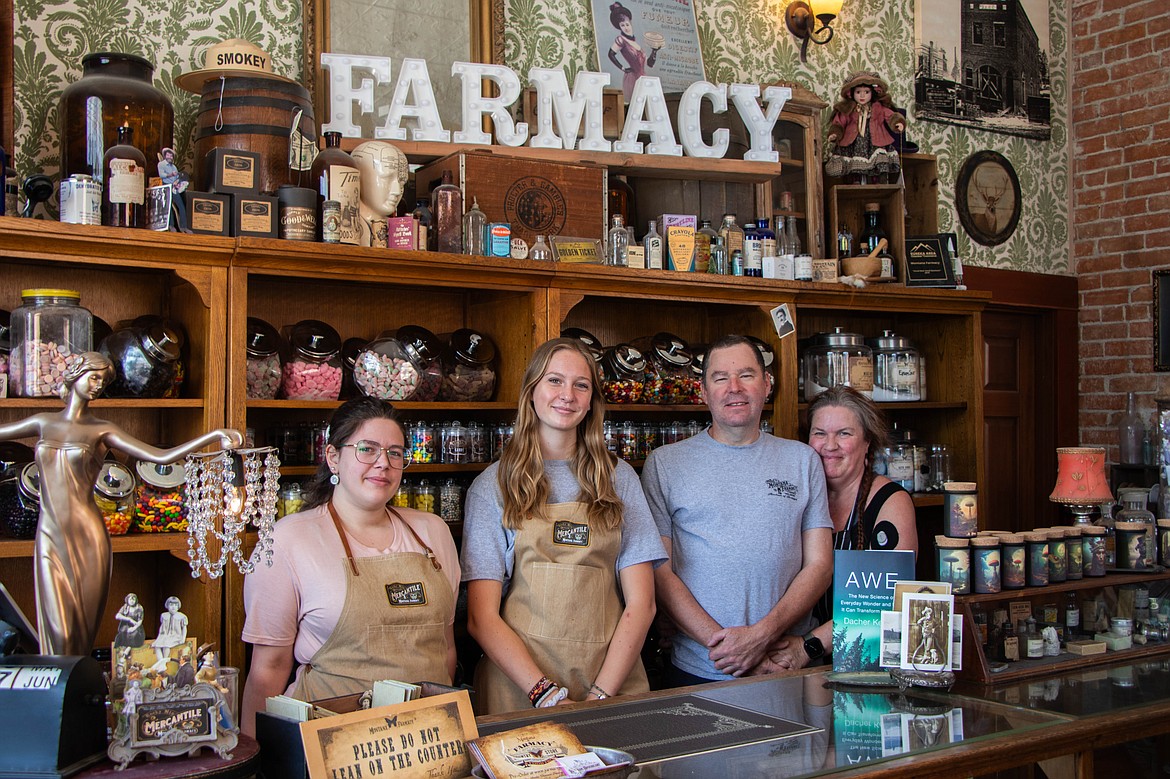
(469, 367)
(429, 349)
(313, 370)
(263, 350)
(113, 492)
(591, 342)
(20, 500)
(623, 372)
(387, 369)
(144, 360)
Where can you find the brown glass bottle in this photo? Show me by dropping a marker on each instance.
(447, 213)
(621, 200)
(335, 176)
(124, 188)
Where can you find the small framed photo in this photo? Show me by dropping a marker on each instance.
(926, 632)
(906, 587)
(782, 320)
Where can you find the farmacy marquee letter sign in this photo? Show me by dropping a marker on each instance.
(578, 111)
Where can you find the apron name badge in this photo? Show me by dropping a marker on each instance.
(406, 594)
(570, 533)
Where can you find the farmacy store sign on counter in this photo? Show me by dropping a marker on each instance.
(578, 112)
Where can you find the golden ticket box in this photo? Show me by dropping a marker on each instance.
(232, 171)
(255, 216)
(208, 213)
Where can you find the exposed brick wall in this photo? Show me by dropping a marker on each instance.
(1120, 202)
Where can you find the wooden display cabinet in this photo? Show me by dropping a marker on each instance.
(122, 274)
(977, 666)
(801, 129)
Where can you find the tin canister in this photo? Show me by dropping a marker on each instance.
(1057, 556)
(1014, 555)
(298, 213)
(1037, 559)
(1164, 542)
(1093, 546)
(1076, 553)
(331, 221)
(954, 563)
(81, 200)
(985, 564)
(960, 509)
(498, 239)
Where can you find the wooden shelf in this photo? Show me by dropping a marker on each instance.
(100, 403)
(1087, 583)
(453, 468)
(175, 543)
(922, 499)
(329, 405)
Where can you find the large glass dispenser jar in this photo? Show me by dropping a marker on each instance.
(20, 500)
(144, 360)
(263, 360)
(1135, 530)
(114, 90)
(895, 368)
(838, 358)
(469, 367)
(429, 349)
(49, 330)
(624, 369)
(668, 379)
(387, 370)
(313, 370)
(113, 492)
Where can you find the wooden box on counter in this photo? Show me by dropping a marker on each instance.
(536, 197)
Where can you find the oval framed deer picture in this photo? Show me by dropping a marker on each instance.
(987, 196)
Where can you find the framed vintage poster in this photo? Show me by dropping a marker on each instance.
(987, 197)
(648, 38)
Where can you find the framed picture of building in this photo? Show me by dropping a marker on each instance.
(984, 64)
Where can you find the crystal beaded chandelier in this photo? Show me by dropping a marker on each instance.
(226, 491)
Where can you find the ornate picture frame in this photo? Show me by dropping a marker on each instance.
(1161, 320)
(988, 198)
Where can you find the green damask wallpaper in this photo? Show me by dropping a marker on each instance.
(742, 40)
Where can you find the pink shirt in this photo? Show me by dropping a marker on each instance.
(298, 600)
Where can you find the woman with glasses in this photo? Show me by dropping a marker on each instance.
(357, 591)
(559, 549)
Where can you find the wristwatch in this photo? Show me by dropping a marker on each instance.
(813, 647)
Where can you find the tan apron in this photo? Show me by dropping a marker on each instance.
(563, 603)
(393, 624)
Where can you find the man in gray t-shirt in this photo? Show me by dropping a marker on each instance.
(745, 519)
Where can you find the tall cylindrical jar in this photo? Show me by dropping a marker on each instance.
(985, 564)
(953, 556)
(1037, 559)
(960, 509)
(49, 330)
(1057, 555)
(114, 90)
(1076, 553)
(1013, 554)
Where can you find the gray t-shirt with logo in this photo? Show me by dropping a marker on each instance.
(735, 515)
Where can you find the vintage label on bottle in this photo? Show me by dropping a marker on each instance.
(654, 252)
(344, 187)
(127, 182)
(861, 374)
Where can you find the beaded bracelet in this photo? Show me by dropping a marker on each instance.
(600, 693)
(539, 689)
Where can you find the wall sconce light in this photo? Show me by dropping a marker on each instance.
(799, 16)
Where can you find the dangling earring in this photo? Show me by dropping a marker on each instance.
(334, 480)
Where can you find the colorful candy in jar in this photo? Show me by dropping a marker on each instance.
(623, 369)
(159, 505)
(113, 492)
(668, 370)
(387, 370)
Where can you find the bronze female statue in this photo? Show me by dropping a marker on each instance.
(72, 558)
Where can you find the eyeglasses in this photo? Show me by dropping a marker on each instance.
(368, 452)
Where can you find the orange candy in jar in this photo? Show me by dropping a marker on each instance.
(113, 492)
(159, 507)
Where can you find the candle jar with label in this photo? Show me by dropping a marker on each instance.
(1057, 555)
(1037, 559)
(1094, 550)
(986, 562)
(960, 509)
(953, 558)
(1014, 556)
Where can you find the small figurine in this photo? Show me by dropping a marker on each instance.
(384, 172)
(860, 139)
(172, 632)
(131, 633)
(1051, 641)
(208, 672)
(185, 676)
(132, 697)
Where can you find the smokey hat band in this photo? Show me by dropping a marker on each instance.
(233, 57)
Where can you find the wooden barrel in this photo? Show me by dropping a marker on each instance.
(254, 114)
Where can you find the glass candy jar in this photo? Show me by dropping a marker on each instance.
(144, 360)
(588, 340)
(429, 349)
(350, 349)
(469, 367)
(424, 497)
(668, 378)
(49, 330)
(5, 340)
(159, 505)
(115, 89)
(292, 499)
(387, 370)
(313, 370)
(895, 368)
(837, 358)
(20, 500)
(113, 492)
(263, 360)
(624, 369)
(455, 448)
(451, 502)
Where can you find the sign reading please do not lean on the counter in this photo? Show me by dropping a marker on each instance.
(577, 111)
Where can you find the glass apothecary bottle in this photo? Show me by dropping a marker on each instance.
(617, 244)
(1130, 430)
(113, 492)
(717, 264)
(732, 235)
(704, 238)
(124, 190)
(262, 362)
(387, 369)
(474, 222)
(336, 177)
(895, 368)
(838, 358)
(429, 349)
(20, 500)
(668, 380)
(624, 374)
(469, 367)
(159, 502)
(49, 330)
(425, 223)
(144, 360)
(114, 90)
(540, 251)
(447, 212)
(1135, 531)
(313, 370)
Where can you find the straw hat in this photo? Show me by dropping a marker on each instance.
(231, 57)
(867, 79)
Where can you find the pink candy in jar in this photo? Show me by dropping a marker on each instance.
(313, 372)
(263, 348)
(385, 369)
(428, 349)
